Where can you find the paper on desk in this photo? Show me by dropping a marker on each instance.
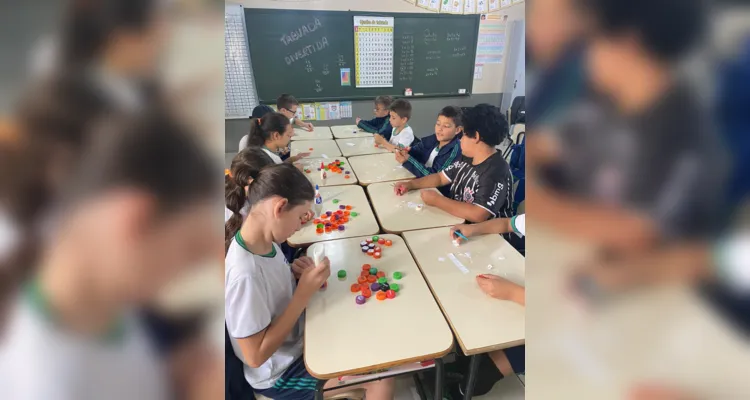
(458, 263)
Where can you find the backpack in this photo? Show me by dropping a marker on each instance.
(517, 165)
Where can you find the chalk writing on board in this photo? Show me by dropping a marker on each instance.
(301, 32)
(459, 51)
(308, 66)
(433, 55)
(406, 65)
(432, 72)
(453, 37)
(325, 69)
(341, 62)
(318, 88)
(307, 50)
(429, 37)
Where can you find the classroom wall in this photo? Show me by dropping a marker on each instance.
(490, 89)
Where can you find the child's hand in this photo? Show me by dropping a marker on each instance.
(498, 288)
(313, 278)
(401, 188)
(308, 126)
(402, 156)
(465, 229)
(380, 140)
(430, 197)
(300, 265)
(358, 120)
(659, 393)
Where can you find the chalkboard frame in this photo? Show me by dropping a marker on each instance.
(396, 15)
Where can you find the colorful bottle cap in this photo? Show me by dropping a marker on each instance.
(342, 273)
(375, 238)
(377, 249)
(371, 245)
(348, 207)
(397, 275)
(341, 228)
(367, 293)
(346, 176)
(365, 248)
(375, 286)
(355, 214)
(384, 287)
(347, 172)
(373, 271)
(372, 279)
(381, 241)
(366, 267)
(345, 219)
(335, 201)
(390, 294)
(376, 255)
(388, 243)
(328, 213)
(380, 274)
(370, 252)
(328, 229)
(361, 279)
(360, 299)
(364, 274)
(342, 207)
(382, 280)
(363, 243)
(346, 213)
(355, 288)
(320, 231)
(395, 287)
(368, 240)
(380, 296)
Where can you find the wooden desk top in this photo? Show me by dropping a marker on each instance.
(348, 131)
(396, 216)
(359, 146)
(363, 224)
(481, 324)
(318, 133)
(343, 338)
(320, 148)
(375, 168)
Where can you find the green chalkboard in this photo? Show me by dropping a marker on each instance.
(303, 52)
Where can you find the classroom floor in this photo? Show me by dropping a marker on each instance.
(511, 388)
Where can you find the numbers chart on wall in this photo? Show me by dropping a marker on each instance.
(373, 50)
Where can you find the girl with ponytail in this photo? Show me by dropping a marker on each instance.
(272, 133)
(244, 169)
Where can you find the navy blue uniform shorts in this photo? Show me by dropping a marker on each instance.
(295, 384)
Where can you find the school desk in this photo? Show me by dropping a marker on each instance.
(603, 350)
(344, 338)
(363, 224)
(375, 168)
(320, 148)
(318, 133)
(481, 324)
(332, 178)
(348, 131)
(399, 213)
(359, 146)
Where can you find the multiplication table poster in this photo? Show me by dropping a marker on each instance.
(373, 51)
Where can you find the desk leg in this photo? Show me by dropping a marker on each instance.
(319, 390)
(472, 378)
(439, 374)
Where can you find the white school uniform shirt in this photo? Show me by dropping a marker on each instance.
(40, 361)
(243, 142)
(431, 160)
(258, 289)
(275, 157)
(518, 223)
(404, 138)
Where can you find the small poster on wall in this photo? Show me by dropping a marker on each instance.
(433, 5)
(373, 51)
(423, 3)
(494, 5)
(482, 7)
(470, 7)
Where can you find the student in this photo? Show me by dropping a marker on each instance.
(263, 304)
(245, 167)
(480, 182)
(288, 105)
(74, 324)
(436, 152)
(512, 360)
(273, 133)
(258, 112)
(402, 134)
(381, 124)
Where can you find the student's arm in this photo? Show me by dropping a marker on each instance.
(467, 211)
(368, 126)
(427, 182)
(419, 169)
(502, 289)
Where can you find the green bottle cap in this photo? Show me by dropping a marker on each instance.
(395, 287)
(373, 271)
(355, 214)
(382, 280)
(375, 238)
(342, 273)
(342, 163)
(397, 275)
(321, 226)
(335, 201)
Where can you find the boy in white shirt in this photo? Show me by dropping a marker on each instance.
(403, 135)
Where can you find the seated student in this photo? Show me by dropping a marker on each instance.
(402, 135)
(263, 304)
(381, 124)
(258, 112)
(74, 322)
(288, 105)
(513, 359)
(273, 133)
(480, 182)
(245, 167)
(436, 152)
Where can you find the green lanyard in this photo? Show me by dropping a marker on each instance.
(240, 241)
(34, 295)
